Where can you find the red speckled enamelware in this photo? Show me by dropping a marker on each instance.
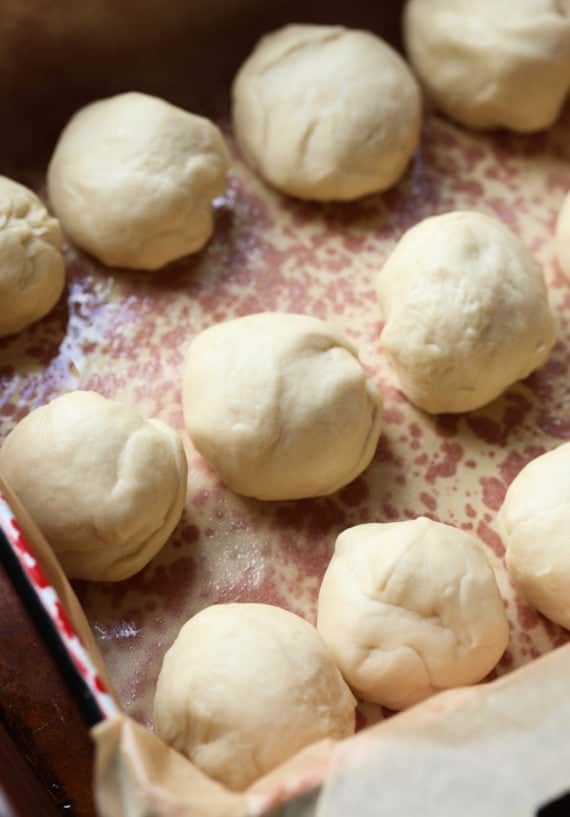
(124, 335)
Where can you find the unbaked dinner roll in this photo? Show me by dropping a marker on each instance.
(535, 523)
(133, 178)
(32, 272)
(466, 312)
(246, 686)
(326, 112)
(280, 406)
(105, 486)
(492, 63)
(409, 609)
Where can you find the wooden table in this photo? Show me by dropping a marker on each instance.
(46, 756)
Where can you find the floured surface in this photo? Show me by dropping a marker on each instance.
(124, 335)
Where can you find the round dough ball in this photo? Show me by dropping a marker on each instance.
(534, 523)
(32, 273)
(466, 312)
(492, 64)
(409, 609)
(246, 686)
(105, 486)
(133, 178)
(326, 113)
(563, 237)
(280, 406)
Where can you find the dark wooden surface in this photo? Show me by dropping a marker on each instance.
(58, 56)
(21, 793)
(52, 763)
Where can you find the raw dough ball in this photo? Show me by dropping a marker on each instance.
(466, 312)
(32, 272)
(105, 486)
(563, 237)
(326, 113)
(280, 406)
(246, 686)
(409, 609)
(133, 178)
(534, 523)
(492, 64)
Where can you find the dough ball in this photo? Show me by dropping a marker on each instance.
(534, 523)
(32, 273)
(563, 237)
(492, 64)
(133, 178)
(466, 312)
(246, 686)
(326, 113)
(105, 487)
(280, 406)
(409, 609)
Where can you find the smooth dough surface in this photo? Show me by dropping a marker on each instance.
(105, 486)
(280, 406)
(492, 63)
(409, 609)
(246, 686)
(132, 180)
(32, 272)
(466, 312)
(534, 524)
(563, 236)
(326, 113)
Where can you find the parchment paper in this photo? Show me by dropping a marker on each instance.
(499, 750)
